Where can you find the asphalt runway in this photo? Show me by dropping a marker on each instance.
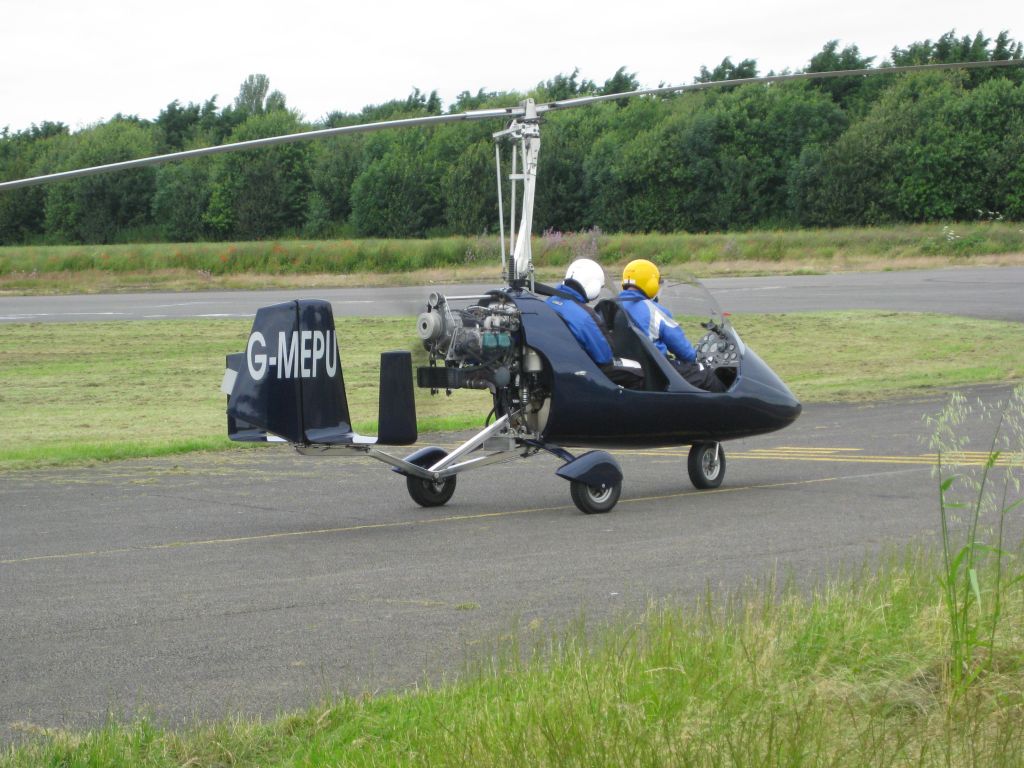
(257, 581)
(988, 292)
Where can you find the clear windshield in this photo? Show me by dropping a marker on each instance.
(690, 303)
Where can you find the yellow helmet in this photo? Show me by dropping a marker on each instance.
(644, 275)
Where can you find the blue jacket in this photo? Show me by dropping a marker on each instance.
(656, 321)
(582, 325)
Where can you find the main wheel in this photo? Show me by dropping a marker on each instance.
(594, 499)
(706, 465)
(428, 493)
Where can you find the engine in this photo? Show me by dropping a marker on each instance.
(481, 347)
(482, 334)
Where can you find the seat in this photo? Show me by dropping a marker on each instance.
(628, 342)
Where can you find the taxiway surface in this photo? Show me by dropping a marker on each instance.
(257, 580)
(989, 292)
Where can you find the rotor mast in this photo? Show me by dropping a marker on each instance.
(524, 133)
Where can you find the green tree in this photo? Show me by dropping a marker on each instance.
(22, 211)
(467, 101)
(563, 86)
(391, 198)
(984, 140)
(260, 193)
(923, 153)
(946, 50)
(319, 223)
(181, 199)
(1007, 49)
(334, 166)
(177, 125)
(561, 196)
(728, 71)
(397, 193)
(620, 165)
(97, 209)
(621, 82)
(845, 91)
(398, 190)
(415, 104)
(469, 191)
(255, 97)
(950, 49)
(720, 163)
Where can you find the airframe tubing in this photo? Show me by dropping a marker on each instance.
(472, 444)
(374, 453)
(501, 209)
(446, 467)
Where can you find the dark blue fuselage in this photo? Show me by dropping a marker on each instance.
(587, 409)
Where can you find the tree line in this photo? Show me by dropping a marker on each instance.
(840, 152)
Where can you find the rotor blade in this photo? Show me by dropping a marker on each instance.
(482, 114)
(584, 100)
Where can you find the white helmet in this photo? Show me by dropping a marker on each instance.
(588, 274)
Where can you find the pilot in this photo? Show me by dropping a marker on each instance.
(583, 282)
(641, 283)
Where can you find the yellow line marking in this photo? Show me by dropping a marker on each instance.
(964, 459)
(809, 448)
(411, 523)
(279, 535)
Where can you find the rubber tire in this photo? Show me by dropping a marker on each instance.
(698, 465)
(594, 500)
(427, 493)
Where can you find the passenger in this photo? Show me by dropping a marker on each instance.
(583, 282)
(641, 283)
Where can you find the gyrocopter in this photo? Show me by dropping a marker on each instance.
(548, 394)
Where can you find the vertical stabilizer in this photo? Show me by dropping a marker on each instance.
(288, 382)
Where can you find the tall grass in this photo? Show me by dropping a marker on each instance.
(974, 507)
(551, 249)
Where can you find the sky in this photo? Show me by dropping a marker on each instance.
(80, 63)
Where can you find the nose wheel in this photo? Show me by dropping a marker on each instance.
(706, 465)
(594, 499)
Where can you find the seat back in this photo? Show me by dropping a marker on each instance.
(628, 341)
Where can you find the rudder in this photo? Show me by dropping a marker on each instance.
(288, 382)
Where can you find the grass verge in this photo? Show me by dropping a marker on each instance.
(95, 391)
(304, 263)
(854, 673)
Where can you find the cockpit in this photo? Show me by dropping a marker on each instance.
(712, 336)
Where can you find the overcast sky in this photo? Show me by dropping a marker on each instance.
(82, 61)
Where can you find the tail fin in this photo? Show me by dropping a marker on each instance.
(288, 383)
